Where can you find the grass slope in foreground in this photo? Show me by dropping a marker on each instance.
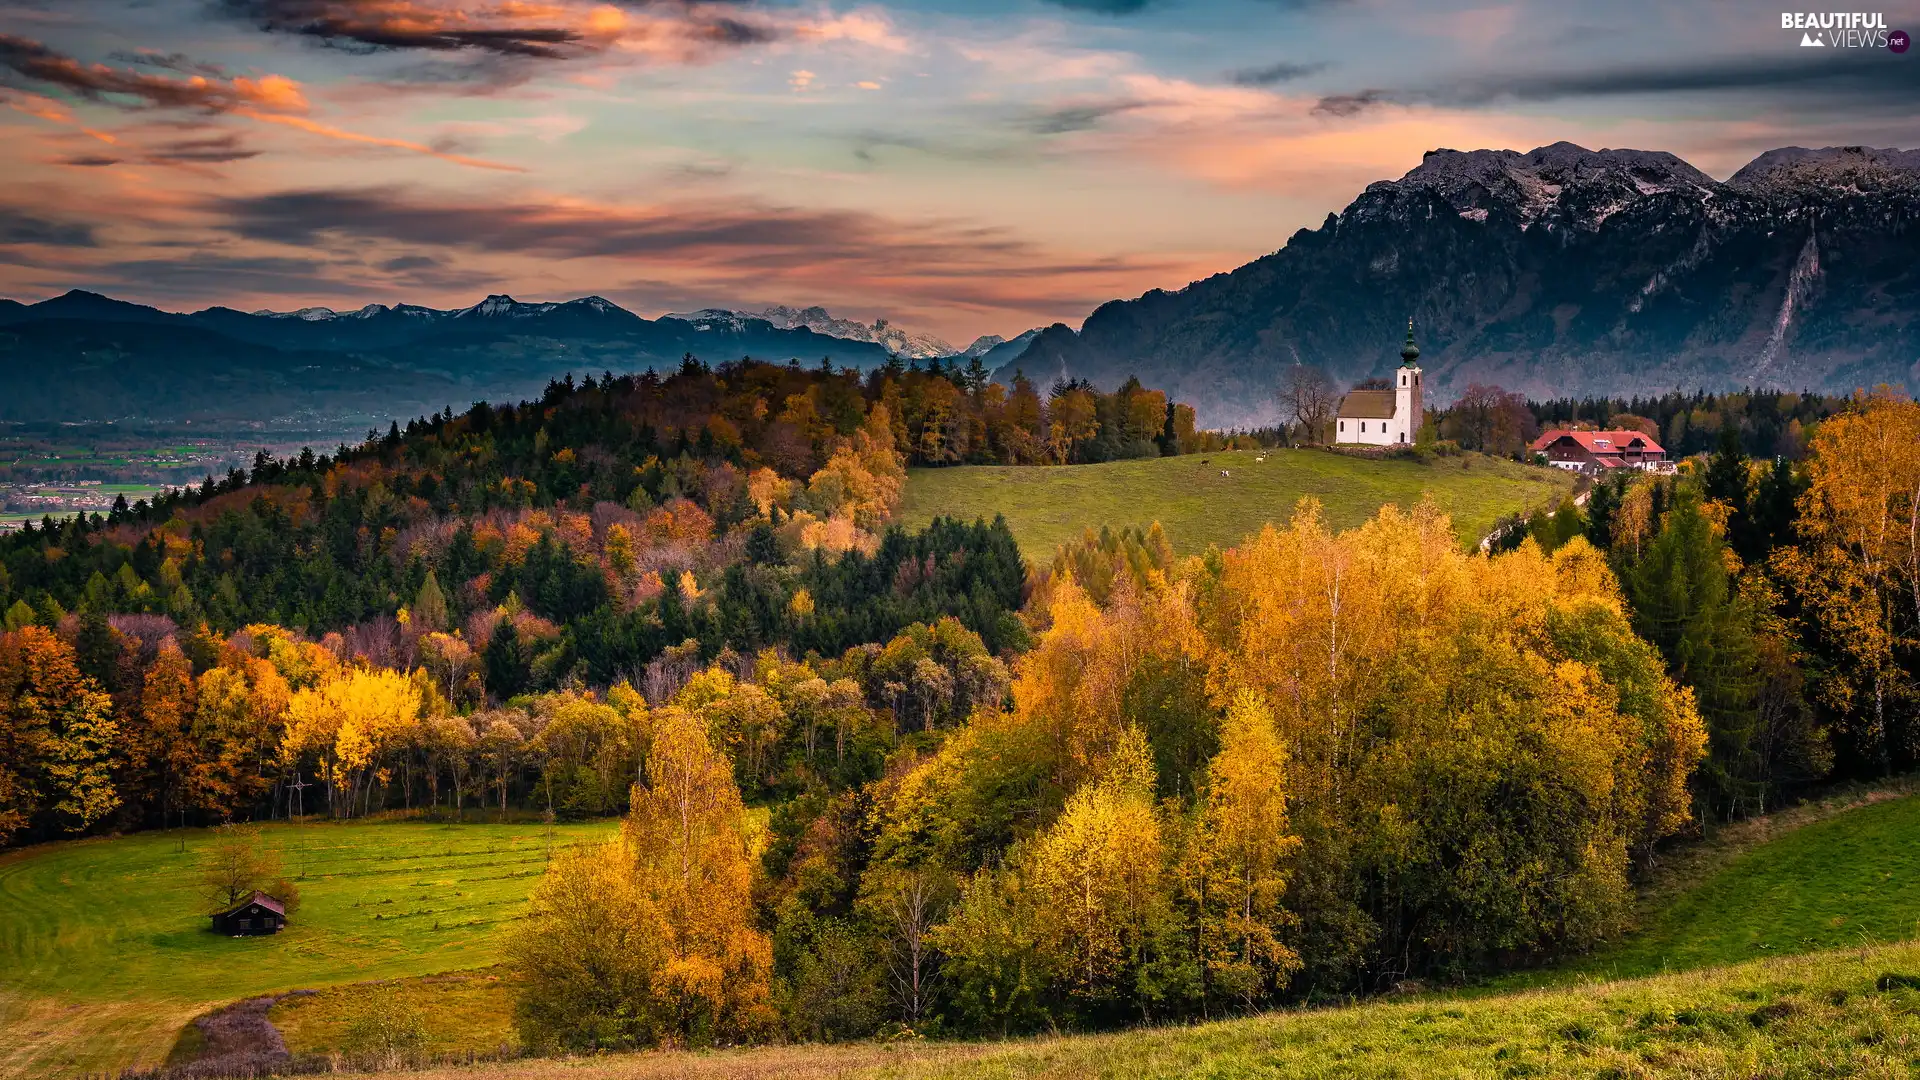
(1050, 505)
(105, 951)
(1849, 880)
(1847, 1013)
(1821, 875)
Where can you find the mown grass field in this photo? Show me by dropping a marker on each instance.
(1048, 506)
(105, 951)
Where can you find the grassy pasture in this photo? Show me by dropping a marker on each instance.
(1050, 505)
(105, 951)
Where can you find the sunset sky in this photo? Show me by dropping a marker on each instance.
(958, 166)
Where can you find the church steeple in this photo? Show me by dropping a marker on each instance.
(1409, 352)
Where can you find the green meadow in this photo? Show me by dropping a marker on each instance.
(1048, 506)
(105, 948)
(1851, 880)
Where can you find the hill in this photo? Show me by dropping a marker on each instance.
(1047, 506)
(104, 951)
(85, 356)
(1562, 271)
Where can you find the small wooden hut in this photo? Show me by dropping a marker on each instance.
(258, 914)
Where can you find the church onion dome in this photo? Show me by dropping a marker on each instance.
(1409, 352)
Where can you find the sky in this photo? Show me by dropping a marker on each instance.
(959, 167)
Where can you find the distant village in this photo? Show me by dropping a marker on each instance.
(31, 501)
(1390, 416)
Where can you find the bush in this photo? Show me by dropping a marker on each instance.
(386, 1026)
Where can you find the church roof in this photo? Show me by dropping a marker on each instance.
(1367, 405)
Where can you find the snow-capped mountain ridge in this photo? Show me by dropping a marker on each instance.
(821, 321)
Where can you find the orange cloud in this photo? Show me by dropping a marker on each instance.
(303, 124)
(120, 86)
(273, 99)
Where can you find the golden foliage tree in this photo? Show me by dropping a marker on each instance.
(57, 731)
(1857, 568)
(589, 955)
(1244, 846)
(1094, 876)
(687, 832)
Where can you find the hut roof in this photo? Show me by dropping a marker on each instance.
(260, 898)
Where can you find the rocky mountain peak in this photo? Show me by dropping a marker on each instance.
(1560, 270)
(1859, 168)
(1562, 181)
(495, 306)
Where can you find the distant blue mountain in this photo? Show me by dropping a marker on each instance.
(83, 356)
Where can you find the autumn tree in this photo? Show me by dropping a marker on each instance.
(167, 700)
(1094, 878)
(57, 731)
(1239, 878)
(234, 864)
(348, 722)
(689, 842)
(590, 955)
(1856, 574)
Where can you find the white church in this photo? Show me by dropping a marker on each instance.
(1384, 417)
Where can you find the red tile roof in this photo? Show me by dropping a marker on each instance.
(1601, 442)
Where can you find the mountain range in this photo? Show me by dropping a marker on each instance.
(82, 356)
(1560, 271)
(820, 321)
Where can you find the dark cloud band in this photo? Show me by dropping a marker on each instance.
(371, 25)
(1873, 81)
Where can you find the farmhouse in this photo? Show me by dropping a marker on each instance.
(258, 914)
(1384, 417)
(1599, 451)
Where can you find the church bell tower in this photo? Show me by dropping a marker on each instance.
(1406, 392)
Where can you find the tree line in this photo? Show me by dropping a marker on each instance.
(1783, 593)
